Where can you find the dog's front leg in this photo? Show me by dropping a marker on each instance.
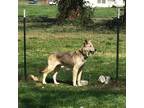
(79, 78)
(75, 71)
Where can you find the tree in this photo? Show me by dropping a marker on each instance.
(74, 9)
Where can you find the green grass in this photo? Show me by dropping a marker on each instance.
(105, 12)
(38, 10)
(65, 96)
(42, 41)
(52, 11)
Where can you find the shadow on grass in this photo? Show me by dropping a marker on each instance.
(105, 25)
(101, 25)
(39, 19)
(50, 80)
(100, 65)
(37, 22)
(65, 95)
(56, 97)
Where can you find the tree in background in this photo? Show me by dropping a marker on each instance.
(74, 9)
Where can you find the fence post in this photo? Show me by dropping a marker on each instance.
(117, 43)
(24, 25)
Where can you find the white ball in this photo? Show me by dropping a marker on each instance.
(102, 79)
(107, 79)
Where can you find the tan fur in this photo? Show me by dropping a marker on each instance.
(74, 60)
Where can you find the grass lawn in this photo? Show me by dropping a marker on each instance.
(40, 42)
(51, 11)
(43, 40)
(38, 10)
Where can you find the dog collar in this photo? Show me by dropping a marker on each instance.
(84, 55)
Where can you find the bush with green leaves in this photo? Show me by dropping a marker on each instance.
(74, 10)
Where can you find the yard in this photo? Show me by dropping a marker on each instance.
(41, 40)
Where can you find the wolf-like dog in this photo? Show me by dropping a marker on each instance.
(74, 60)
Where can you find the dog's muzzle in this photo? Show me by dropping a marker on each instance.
(92, 52)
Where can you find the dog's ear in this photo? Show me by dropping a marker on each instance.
(85, 42)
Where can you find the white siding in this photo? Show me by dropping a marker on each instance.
(104, 3)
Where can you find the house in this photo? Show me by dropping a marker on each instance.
(105, 3)
(51, 2)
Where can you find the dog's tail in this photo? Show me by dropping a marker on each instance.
(43, 70)
(34, 78)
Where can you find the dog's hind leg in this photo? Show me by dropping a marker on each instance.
(54, 78)
(44, 77)
(49, 69)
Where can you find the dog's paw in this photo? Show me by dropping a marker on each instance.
(75, 85)
(79, 84)
(44, 83)
(56, 83)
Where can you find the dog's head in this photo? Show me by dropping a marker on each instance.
(88, 48)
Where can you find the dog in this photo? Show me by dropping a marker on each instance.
(74, 60)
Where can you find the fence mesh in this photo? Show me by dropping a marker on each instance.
(44, 35)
